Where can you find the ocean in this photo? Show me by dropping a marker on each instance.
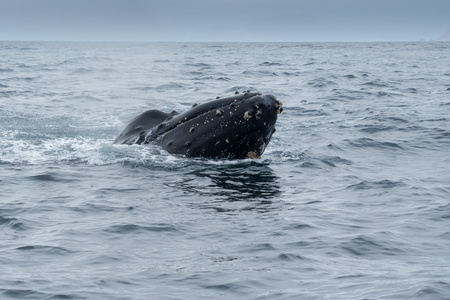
(351, 199)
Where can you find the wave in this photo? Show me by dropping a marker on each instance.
(259, 72)
(6, 70)
(53, 177)
(301, 111)
(370, 143)
(82, 70)
(30, 294)
(382, 184)
(296, 73)
(169, 86)
(269, 64)
(201, 66)
(133, 228)
(223, 78)
(320, 82)
(12, 223)
(368, 246)
(333, 161)
(50, 250)
(376, 128)
(377, 84)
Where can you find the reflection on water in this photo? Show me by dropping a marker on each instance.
(253, 184)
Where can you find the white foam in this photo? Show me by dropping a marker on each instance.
(17, 150)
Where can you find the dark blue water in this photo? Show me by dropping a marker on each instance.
(351, 199)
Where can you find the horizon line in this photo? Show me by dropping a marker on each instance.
(223, 41)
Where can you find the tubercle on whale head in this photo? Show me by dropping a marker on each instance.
(280, 107)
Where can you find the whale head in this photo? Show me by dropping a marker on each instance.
(237, 127)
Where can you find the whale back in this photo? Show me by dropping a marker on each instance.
(140, 126)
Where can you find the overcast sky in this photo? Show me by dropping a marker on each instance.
(224, 20)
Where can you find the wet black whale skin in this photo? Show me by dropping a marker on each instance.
(236, 127)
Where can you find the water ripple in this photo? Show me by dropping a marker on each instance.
(370, 143)
(367, 246)
(50, 250)
(133, 228)
(383, 184)
(12, 223)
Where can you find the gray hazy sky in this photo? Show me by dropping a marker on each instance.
(224, 20)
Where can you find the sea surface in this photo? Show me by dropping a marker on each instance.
(351, 199)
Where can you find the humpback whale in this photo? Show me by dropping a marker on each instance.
(235, 127)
